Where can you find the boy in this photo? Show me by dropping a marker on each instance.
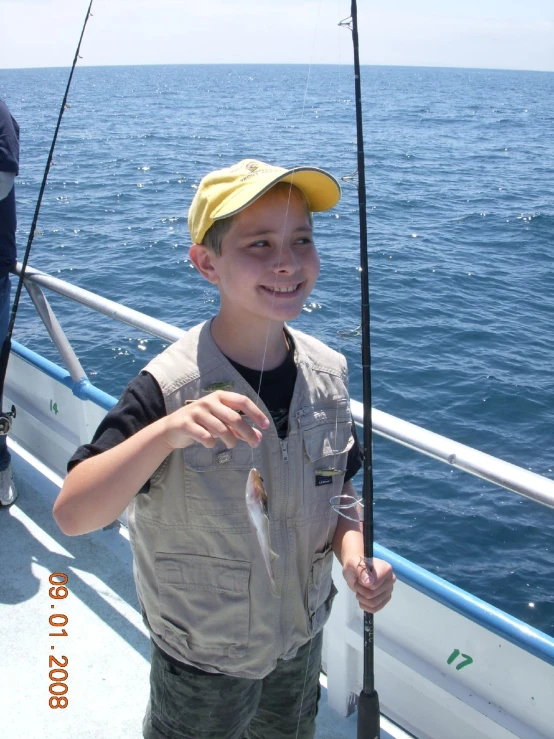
(229, 660)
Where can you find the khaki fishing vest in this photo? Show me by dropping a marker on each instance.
(200, 576)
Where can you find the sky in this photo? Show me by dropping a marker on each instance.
(496, 34)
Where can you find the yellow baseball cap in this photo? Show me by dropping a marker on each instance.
(227, 191)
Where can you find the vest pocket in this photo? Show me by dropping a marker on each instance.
(215, 482)
(204, 604)
(327, 438)
(321, 590)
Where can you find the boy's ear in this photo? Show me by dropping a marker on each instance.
(202, 258)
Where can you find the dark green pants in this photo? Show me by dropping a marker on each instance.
(187, 705)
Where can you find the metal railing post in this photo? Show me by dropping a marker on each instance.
(56, 332)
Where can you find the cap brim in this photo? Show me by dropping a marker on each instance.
(321, 189)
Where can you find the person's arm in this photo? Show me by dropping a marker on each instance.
(348, 539)
(6, 184)
(99, 489)
(373, 587)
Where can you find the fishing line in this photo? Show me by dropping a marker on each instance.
(287, 209)
(280, 252)
(337, 503)
(368, 702)
(6, 418)
(258, 399)
(341, 503)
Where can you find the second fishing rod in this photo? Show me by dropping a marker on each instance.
(6, 418)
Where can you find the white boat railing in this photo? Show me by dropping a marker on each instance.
(447, 664)
(494, 470)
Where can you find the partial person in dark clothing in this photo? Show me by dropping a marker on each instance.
(9, 169)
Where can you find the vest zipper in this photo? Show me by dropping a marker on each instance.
(284, 544)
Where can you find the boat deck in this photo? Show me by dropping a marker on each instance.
(106, 646)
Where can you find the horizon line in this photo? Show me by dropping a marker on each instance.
(283, 64)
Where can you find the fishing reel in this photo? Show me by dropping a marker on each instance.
(6, 421)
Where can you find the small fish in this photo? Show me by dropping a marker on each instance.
(222, 385)
(256, 505)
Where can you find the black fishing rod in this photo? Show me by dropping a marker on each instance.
(368, 702)
(6, 418)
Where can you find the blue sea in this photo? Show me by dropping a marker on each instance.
(460, 185)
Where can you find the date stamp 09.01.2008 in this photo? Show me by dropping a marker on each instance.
(58, 673)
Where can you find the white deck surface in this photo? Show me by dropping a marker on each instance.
(107, 646)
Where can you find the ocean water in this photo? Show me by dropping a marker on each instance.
(460, 182)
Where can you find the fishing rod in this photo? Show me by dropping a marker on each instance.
(368, 702)
(6, 419)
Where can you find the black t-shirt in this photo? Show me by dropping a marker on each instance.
(142, 403)
(275, 387)
(9, 162)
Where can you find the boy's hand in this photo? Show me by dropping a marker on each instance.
(217, 416)
(373, 587)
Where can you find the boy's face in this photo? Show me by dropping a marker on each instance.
(268, 264)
